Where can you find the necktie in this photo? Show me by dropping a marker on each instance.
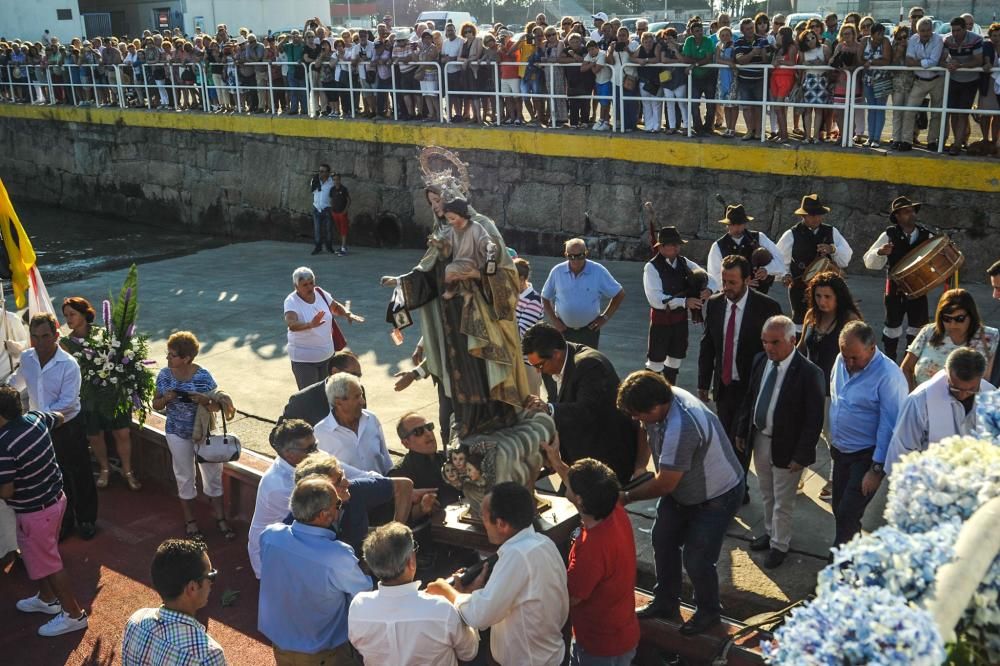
(764, 398)
(727, 349)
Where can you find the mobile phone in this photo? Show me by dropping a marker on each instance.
(183, 396)
(638, 481)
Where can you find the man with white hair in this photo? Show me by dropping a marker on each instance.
(943, 406)
(781, 419)
(398, 623)
(351, 433)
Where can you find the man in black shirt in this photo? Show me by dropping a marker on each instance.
(750, 49)
(340, 205)
(422, 464)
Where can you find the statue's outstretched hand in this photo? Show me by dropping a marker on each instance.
(388, 281)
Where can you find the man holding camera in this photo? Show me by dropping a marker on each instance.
(322, 186)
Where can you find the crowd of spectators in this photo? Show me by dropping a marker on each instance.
(559, 75)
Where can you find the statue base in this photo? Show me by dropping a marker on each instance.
(557, 522)
(468, 517)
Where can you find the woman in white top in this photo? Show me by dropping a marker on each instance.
(310, 329)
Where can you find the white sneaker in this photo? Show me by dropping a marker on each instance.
(597, 126)
(36, 605)
(63, 624)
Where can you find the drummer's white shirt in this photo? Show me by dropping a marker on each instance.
(876, 261)
(842, 257)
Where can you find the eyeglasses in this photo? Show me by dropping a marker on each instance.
(954, 319)
(312, 448)
(577, 256)
(416, 547)
(420, 430)
(540, 364)
(954, 391)
(210, 575)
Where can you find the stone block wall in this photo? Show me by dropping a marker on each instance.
(255, 186)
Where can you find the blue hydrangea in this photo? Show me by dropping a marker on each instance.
(847, 626)
(904, 564)
(988, 416)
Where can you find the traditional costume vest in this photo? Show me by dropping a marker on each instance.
(900, 247)
(676, 284)
(748, 243)
(804, 242)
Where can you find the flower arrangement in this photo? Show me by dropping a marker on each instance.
(113, 359)
(869, 603)
(846, 626)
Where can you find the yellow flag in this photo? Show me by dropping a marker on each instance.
(18, 256)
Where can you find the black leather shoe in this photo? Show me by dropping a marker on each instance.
(86, 531)
(774, 559)
(699, 624)
(903, 147)
(316, 250)
(654, 609)
(763, 542)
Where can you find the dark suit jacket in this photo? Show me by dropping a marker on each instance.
(310, 404)
(798, 414)
(758, 309)
(586, 414)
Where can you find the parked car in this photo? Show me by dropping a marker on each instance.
(443, 18)
(793, 19)
(629, 22)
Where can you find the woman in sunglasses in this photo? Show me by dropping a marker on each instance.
(956, 324)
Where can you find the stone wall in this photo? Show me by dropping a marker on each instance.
(254, 186)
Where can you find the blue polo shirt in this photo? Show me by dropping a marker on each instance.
(28, 460)
(577, 298)
(307, 581)
(367, 492)
(864, 406)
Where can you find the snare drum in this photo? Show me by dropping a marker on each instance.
(926, 266)
(820, 265)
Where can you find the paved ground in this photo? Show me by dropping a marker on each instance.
(231, 298)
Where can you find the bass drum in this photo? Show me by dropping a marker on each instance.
(926, 266)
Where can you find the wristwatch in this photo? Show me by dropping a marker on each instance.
(878, 468)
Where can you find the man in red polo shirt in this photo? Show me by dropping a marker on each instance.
(601, 574)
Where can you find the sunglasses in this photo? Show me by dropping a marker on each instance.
(210, 576)
(576, 257)
(540, 364)
(312, 448)
(954, 319)
(420, 430)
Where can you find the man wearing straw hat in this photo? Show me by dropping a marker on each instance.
(671, 286)
(801, 245)
(893, 244)
(739, 240)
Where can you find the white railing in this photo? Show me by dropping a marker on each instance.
(218, 86)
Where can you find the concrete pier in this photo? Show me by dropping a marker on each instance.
(231, 298)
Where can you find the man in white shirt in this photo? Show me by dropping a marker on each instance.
(943, 406)
(924, 50)
(351, 433)
(451, 49)
(397, 623)
(321, 186)
(292, 440)
(524, 600)
(600, 18)
(738, 239)
(52, 379)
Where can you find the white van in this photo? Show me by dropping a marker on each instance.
(443, 18)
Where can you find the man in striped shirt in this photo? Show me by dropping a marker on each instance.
(182, 576)
(530, 311)
(32, 485)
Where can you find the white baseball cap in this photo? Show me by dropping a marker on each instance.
(599, 16)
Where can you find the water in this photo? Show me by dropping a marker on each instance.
(72, 245)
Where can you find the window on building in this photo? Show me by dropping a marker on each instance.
(64, 14)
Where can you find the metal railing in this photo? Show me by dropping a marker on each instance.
(221, 87)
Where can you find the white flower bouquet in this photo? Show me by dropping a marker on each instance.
(113, 359)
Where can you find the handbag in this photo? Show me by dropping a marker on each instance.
(629, 82)
(219, 448)
(666, 75)
(339, 341)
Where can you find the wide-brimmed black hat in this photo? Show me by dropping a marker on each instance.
(668, 236)
(736, 214)
(811, 205)
(899, 203)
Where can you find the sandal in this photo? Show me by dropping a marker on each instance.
(227, 532)
(193, 533)
(102, 478)
(133, 483)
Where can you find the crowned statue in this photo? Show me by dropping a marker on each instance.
(465, 288)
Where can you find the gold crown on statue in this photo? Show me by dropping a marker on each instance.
(452, 181)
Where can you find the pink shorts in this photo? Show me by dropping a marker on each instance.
(38, 539)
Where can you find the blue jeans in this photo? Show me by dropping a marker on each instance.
(580, 657)
(297, 97)
(692, 534)
(322, 226)
(876, 118)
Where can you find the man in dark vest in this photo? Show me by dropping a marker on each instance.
(671, 283)
(803, 244)
(739, 240)
(896, 241)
